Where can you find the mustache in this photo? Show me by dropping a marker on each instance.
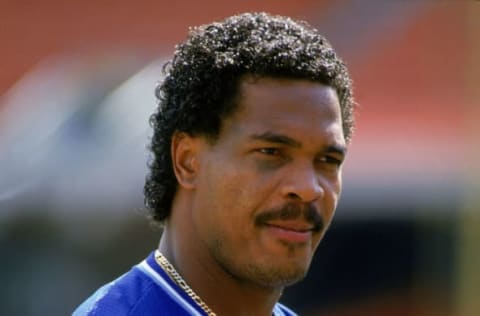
(292, 211)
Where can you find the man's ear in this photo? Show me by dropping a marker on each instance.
(185, 160)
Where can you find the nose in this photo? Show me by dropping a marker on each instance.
(303, 184)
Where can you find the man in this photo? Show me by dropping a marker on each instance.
(255, 115)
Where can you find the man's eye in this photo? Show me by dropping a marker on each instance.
(331, 160)
(269, 151)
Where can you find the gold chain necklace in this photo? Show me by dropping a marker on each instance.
(173, 274)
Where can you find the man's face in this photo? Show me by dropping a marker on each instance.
(268, 187)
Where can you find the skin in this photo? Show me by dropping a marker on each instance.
(253, 205)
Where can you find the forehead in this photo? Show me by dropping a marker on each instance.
(280, 94)
(287, 106)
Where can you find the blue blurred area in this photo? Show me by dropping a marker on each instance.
(76, 140)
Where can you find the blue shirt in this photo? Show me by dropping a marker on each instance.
(147, 290)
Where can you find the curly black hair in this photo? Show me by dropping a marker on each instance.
(202, 79)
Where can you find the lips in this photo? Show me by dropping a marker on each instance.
(290, 231)
(295, 226)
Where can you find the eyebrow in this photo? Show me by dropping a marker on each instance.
(286, 140)
(276, 138)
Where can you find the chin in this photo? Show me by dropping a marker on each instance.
(281, 277)
(278, 272)
(270, 267)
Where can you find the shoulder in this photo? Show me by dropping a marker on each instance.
(145, 290)
(119, 297)
(282, 310)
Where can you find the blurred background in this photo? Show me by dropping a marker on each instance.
(76, 91)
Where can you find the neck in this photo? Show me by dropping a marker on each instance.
(223, 293)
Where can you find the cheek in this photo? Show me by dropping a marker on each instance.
(240, 185)
(332, 190)
(235, 198)
(224, 195)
